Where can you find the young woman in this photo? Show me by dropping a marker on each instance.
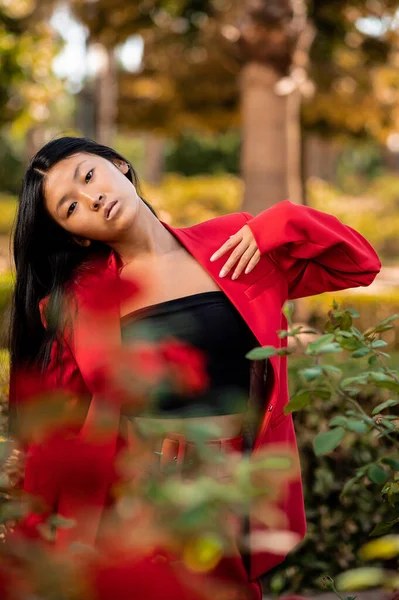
(225, 279)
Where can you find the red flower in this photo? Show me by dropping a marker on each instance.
(102, 289)
(127, 376)
(80, 466)
(141, 578)
(187, 366)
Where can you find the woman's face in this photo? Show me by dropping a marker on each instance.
(90, 197)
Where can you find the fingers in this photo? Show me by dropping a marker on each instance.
(244, 261)
(228, 245)
(253, 262)
(245, 254)
(233, 258)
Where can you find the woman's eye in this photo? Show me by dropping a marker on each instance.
(71, 208)
(89, 176)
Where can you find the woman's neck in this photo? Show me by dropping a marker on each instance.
(146, 237)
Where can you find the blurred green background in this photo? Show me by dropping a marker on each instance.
(224, 106)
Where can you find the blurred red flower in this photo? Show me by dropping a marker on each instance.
(102, 289)
(186, 365)
(141, 578)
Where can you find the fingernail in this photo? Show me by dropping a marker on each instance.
(234, 276)
(212, 258)
(222, 273)
(246, 271)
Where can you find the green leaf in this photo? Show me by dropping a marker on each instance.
(322, 393)
(378, 376)
(315, 346)
(331, 369)
(383, 528)
(350, 344)
(328, 441)
(311, 373)
(372, 360)
(388, 424)
(60, 521)
(379, 343)
(298, 401)
(338, 420)
(344, 334)
(348, 485)
(282, 333)
(334, 347)
(353, 312)
(284, 352)
(392, 462)
(377, 474)
(295, 331)
(261, 353)
(356, 425)
(389, 319)
(360, 352)
(288, 309)
(359, 379)
(383, 405)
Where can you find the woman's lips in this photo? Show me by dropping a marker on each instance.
(113, 210)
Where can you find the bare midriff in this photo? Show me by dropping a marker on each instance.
(227, 426)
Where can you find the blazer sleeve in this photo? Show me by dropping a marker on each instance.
(315, 251)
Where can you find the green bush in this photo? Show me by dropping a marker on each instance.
(6, 284)
(193, 154)
(336, 527)
(8, 204)
(343, 473)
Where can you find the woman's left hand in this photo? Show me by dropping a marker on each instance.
(245, 255)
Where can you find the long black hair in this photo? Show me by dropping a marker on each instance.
(45, 255)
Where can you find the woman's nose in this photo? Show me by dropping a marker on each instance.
(97, 201)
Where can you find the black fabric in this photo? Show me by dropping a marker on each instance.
(209, 322)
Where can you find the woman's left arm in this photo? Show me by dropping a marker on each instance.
(315, 251)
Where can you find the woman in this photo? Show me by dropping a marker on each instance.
(80, 200)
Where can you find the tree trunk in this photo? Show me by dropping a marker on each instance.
(294, 147)
(107, 96)
(154, 155)
(34, 140)
(264, 140)
(321, 158)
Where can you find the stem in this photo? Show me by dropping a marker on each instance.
(334, 589)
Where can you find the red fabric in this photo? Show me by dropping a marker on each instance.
(304, 252)
(125, 578)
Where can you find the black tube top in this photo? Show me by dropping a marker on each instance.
(209, 322)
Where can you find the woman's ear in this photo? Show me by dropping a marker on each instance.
(81, 241)
(122, 165)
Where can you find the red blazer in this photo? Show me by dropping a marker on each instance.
(304, 252)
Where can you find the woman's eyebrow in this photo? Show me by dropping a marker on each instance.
(65, 197)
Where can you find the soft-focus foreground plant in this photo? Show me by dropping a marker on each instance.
(323, 381)
(165, 532)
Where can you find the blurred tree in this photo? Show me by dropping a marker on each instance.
(353, 62)
(204, 60)
(200, 56)
(27, 47)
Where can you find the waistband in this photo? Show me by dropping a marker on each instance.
(175, 449)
